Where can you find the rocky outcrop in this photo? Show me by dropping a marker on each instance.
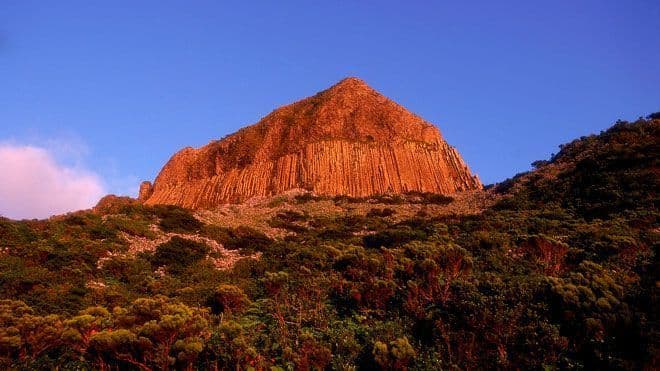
(347, 140)
(146, 190)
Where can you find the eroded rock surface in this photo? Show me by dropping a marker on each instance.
(347, 140)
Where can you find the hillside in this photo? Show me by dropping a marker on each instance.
(346, 140)
(554, 268)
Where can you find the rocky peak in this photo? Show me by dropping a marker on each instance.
(351, 83)
(349, 88)
(348, 139)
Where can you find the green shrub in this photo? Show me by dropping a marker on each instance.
(243, 237)
(141, 228)
(381, 213)
(392, 237)
(308, 197)
(176, 219)
(427, 198)
(289, 220)
(229, 298)
(179, 253)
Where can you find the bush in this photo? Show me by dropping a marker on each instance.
(393, 237)
(396, 356)
(229, 298)
(290, 220)
(217, 233)
(243, 237)
(427, 198)
(130, 226)
(176, 219)
(654, 116)
(308, 197)
(179, 253)
(291, 216)
(382, 213)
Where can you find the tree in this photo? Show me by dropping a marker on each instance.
(395, 357)
(550, 254)
(80, 329)
(654, 116)
(231, 346)
(24, 335)
(120, 344)
(164, 323)
(151, 333)
(229, 298)
(312, 354)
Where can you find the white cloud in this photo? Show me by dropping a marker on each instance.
(33, 184)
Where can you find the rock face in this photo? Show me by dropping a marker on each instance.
(146, 190)
(346, 140)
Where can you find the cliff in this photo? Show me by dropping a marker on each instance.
(346, 140)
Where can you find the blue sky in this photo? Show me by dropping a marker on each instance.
(124, 84)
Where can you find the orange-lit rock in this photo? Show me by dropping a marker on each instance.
(347, 140)
(146, 189)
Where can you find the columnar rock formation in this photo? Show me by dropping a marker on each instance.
(347, 140)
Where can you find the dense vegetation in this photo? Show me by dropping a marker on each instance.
(561, 273)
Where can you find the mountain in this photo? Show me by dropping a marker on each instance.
(596, 176)
(347, 140)
(556, 268)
